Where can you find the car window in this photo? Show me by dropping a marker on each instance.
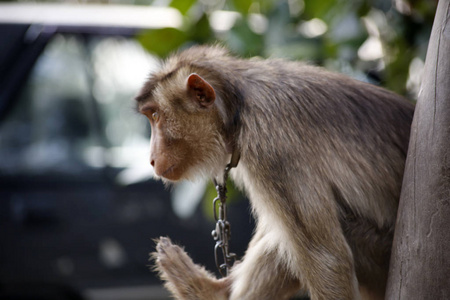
(75, 112)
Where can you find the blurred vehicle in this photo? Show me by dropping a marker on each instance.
(78, 207)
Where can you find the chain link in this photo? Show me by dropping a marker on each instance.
(222, 232)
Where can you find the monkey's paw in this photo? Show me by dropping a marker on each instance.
(183, 278)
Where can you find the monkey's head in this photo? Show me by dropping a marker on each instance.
(187, 131)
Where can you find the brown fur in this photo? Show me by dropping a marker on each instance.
(322, 158)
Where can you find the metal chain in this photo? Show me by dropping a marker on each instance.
(222, 233)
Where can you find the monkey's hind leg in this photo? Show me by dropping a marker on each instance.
(183, 278)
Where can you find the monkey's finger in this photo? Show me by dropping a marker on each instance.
(162, 244)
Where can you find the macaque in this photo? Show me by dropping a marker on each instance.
(321, 161)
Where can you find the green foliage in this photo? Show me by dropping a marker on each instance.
(321, 9)
(242, 40)
(162, 41)
(183, 6)
(242, 6)
(266, 6)
(200, 32)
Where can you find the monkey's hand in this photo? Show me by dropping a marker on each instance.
(185, 279)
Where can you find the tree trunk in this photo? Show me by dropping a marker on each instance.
(420, 263)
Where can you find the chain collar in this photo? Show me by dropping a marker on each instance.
(222, 232)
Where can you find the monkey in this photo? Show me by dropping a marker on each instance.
(321, 161)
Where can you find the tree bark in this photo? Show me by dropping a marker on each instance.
(420, 263)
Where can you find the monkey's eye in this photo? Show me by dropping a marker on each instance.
(155, 116)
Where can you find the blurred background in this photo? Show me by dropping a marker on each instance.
(78, 207)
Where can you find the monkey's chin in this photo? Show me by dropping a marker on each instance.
(171, 174)
(171, 179)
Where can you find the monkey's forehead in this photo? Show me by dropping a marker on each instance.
(171, 78)
(181, 64)
(163, 87)
(145, 93)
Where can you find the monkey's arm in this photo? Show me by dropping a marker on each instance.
(185, 279)
(276, 268)
(262, 274)
(299, 242)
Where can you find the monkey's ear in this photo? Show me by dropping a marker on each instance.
(200, 90)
